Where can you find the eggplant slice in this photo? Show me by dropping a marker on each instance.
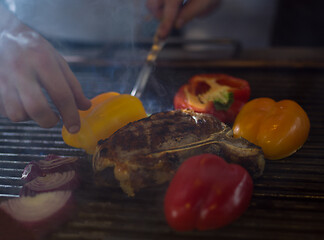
(147, 152)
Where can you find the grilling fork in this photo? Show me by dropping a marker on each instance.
(146, 70)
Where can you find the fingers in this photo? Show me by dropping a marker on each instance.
(193, 9)
(2, 108)
(82, 102)
(155, 7)
(173, 13)
(25, 101)
(33, 101)
(29, 65)
(10, 104)
(69, 101)
(170, 14)
(2, 88)
(22, 97)
(51, 77)
(56, 77)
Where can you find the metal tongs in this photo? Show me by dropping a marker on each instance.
(146, 70)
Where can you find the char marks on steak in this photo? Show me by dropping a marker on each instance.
(149, 151)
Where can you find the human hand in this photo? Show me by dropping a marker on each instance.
(173, 13)
(28, 64)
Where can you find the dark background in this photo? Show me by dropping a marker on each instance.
(299, 23)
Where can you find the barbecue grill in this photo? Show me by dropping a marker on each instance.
(288, 200)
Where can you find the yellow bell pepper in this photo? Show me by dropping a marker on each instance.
(108, 112)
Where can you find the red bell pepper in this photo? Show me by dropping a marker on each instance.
(207, 193)
(218, 94)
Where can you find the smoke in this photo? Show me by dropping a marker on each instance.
(89, 23)
(93, 29)
(85, 20)
(11, 5)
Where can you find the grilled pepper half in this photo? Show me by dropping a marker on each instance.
(109, 112)
(218, 94)
(279, 128)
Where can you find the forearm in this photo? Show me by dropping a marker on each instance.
(9, 22)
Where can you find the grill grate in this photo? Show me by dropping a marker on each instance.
(288, 200)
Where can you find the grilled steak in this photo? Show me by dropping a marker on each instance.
(149, 151)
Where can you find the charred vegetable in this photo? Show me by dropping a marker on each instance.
(149, 151)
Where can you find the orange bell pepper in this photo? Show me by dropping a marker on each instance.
(279, 128)
(108, 112)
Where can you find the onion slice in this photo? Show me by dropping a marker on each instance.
(39, 214)
(67, 180)
(52, 163)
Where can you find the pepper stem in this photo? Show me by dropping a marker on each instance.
(224, 102)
